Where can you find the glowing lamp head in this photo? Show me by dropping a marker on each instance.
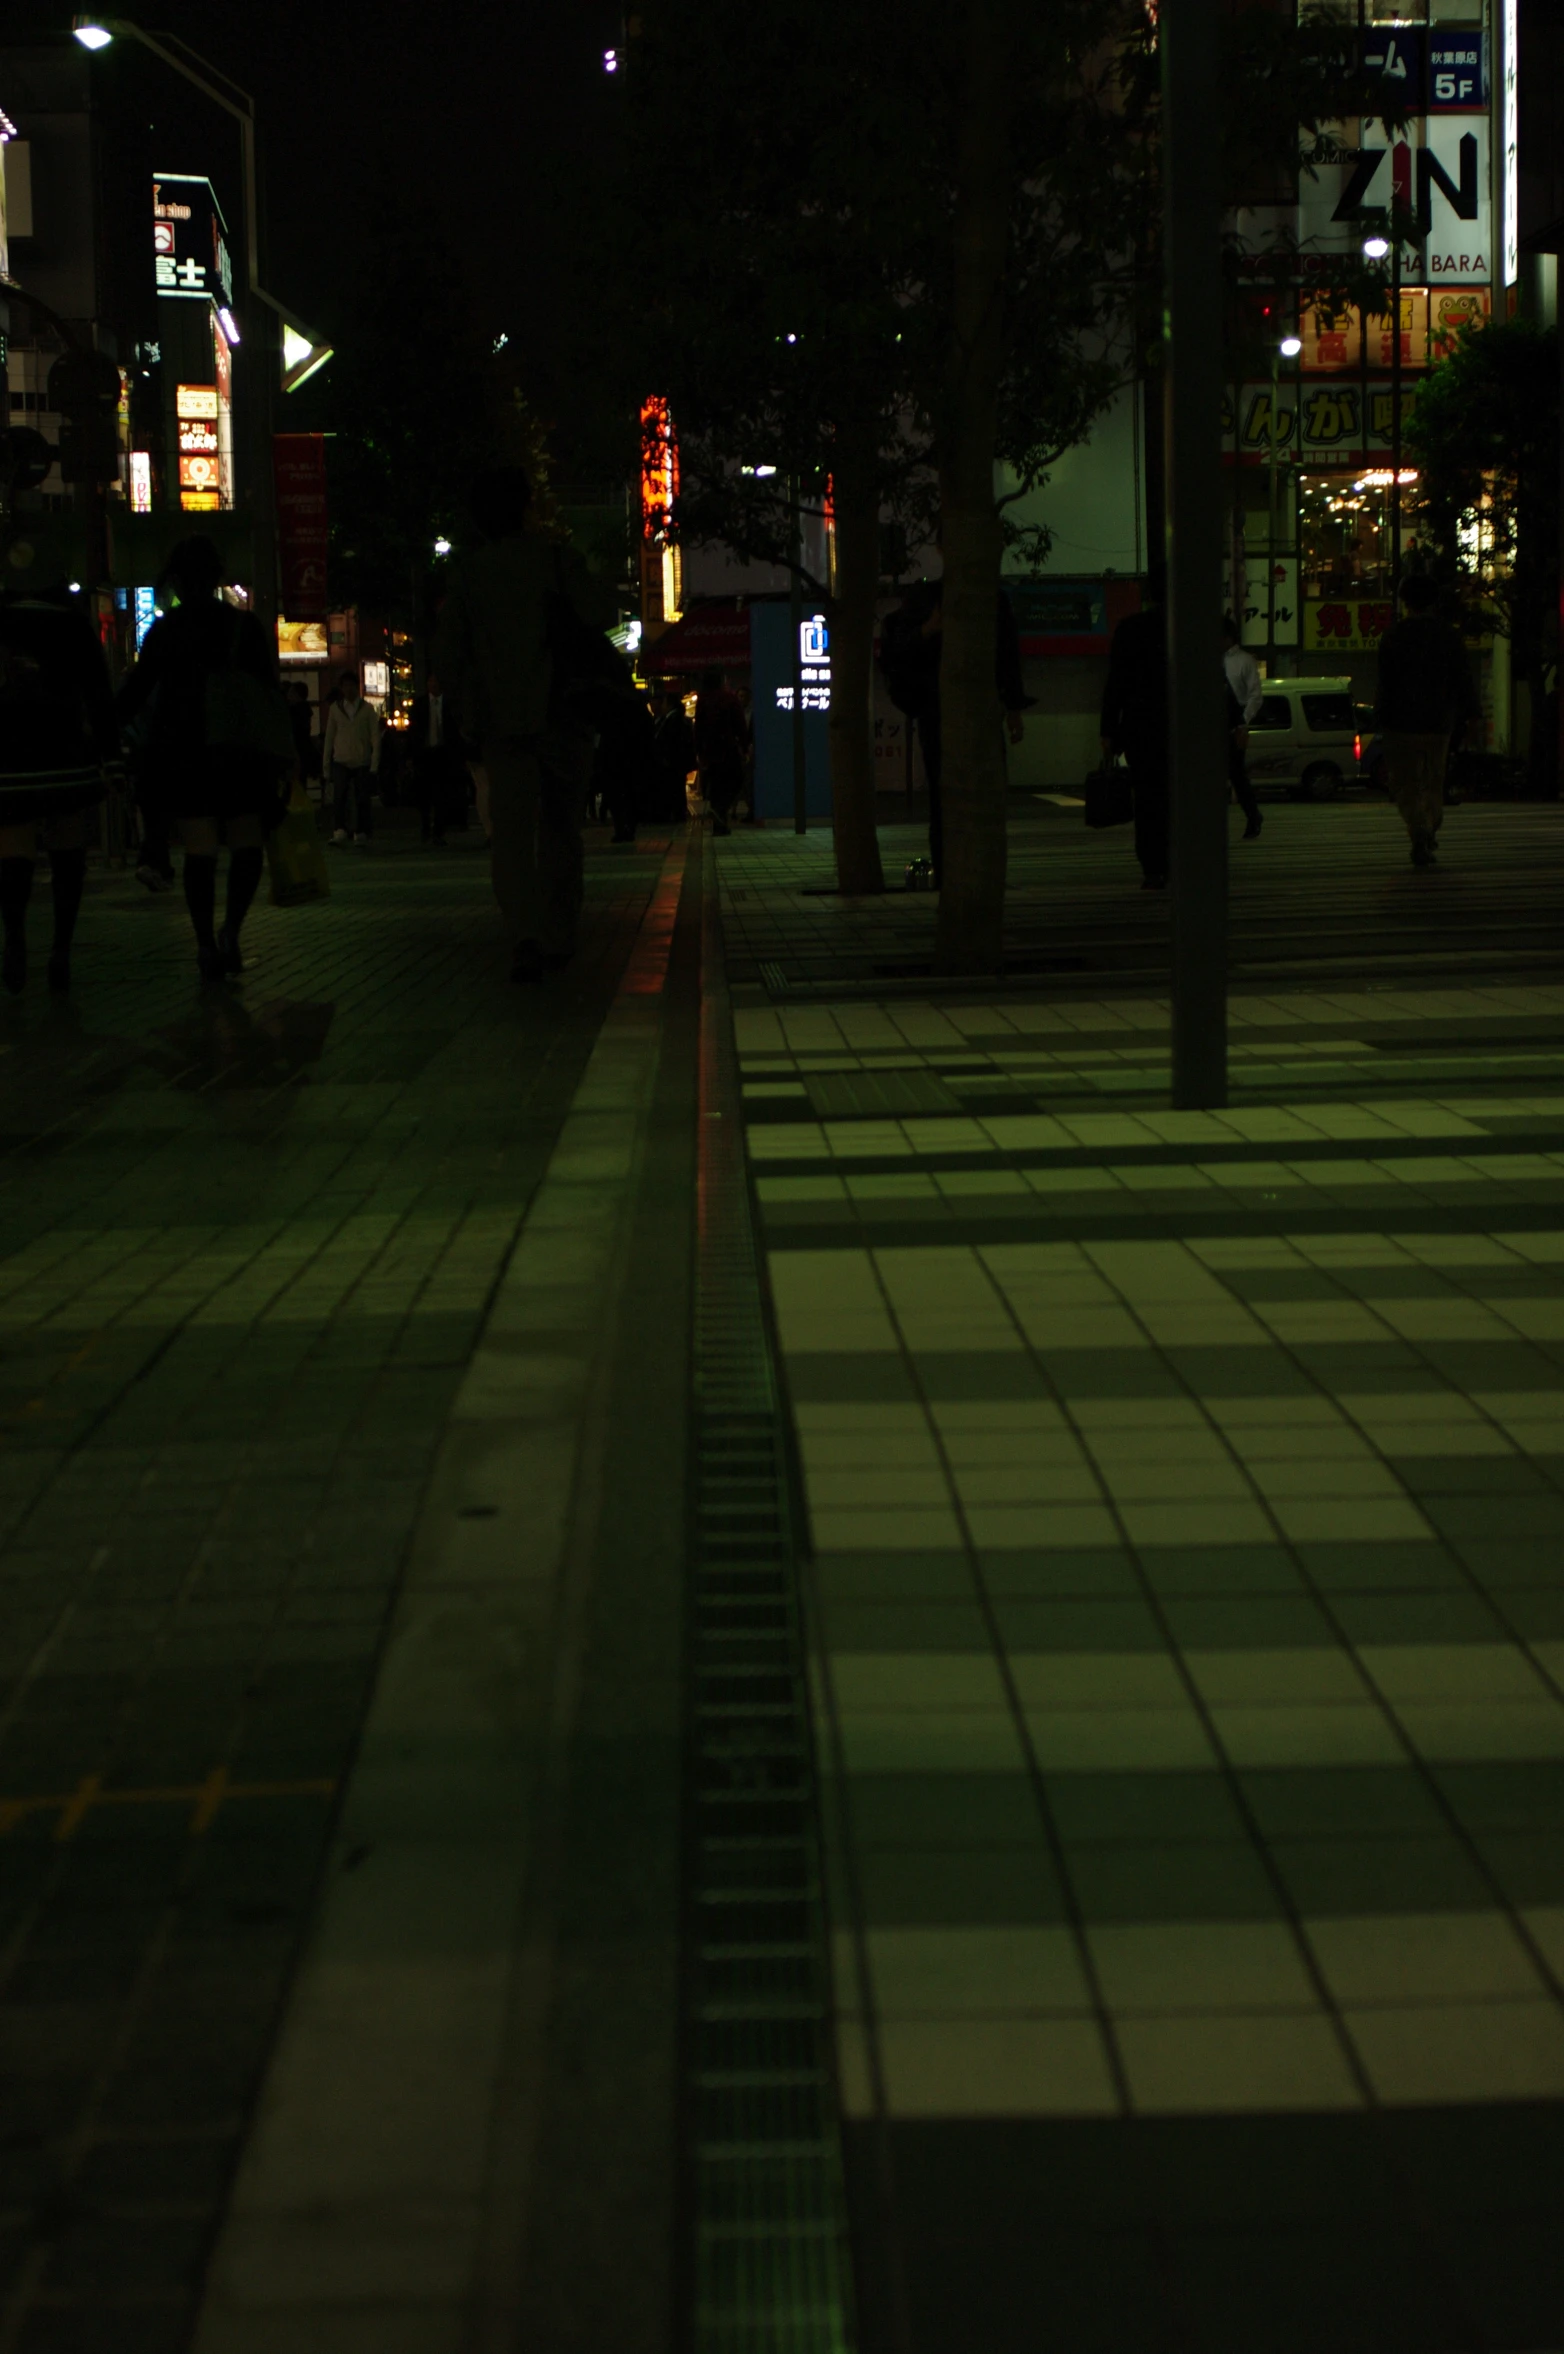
(610, 61)
(92, 32)
(1376, 248)
(1290, 346)
(442, 547)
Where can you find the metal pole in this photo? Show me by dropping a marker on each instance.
(1193, 512)
(1395, 418)
(795, 627)
(1270, 529)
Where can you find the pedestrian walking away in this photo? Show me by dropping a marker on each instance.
(350, 760)
(58, 743)
(1248, 689)
(218, 780)
(721, 743)
(521, 620)
(675, 744)
(1424, 704)
(1135, 723)
(439, 769)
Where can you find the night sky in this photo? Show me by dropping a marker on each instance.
(485, 114)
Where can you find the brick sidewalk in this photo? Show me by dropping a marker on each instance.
(249, 1245)
(1187, 1502)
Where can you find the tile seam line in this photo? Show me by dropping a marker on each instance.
(504, 2225)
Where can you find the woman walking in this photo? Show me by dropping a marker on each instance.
(57, 742)
(212, 795)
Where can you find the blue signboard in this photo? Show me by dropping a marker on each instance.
(1396, 53)
(1457, 70)
(773, 683)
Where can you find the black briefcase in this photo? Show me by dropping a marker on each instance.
(1108, 798)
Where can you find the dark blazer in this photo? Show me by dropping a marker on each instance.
(1135, 697)
(1425, 681)
(450, 731)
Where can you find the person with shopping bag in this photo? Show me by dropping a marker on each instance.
(218, 743)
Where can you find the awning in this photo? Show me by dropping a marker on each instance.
(708, 633)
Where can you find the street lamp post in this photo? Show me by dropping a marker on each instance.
(1289, 348)
(97, 32)
(1193, 525)
(1375, 249)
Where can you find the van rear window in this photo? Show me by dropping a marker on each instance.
(1273, 712)
(1328, 712)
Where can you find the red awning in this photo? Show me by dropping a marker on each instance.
(708, 633)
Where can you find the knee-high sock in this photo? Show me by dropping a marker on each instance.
(244, 879)
(67, 874)
(201, 895)
(16, 887)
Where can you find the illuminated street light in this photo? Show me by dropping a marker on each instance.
(91, 33)
(442, 546)
(1376, 248)
(1290, 346)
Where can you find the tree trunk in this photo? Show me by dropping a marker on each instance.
(969, 936)
(856, 495)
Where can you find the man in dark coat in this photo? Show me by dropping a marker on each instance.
(439, 763)
(1135, 722)
(1425, 700)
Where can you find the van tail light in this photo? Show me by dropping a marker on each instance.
(1357, 748)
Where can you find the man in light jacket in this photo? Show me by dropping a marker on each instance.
(350, 760)
(514, 620)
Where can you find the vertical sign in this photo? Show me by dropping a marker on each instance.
(1509, 146)
(299, 470)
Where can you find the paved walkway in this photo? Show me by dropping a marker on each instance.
(417, 1930)
(1187, 1504)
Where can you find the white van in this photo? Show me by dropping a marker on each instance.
(1305, 738)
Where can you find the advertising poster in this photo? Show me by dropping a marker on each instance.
(299, 471)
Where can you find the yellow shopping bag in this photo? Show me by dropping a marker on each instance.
(296, 856)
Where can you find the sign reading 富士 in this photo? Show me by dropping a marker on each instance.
(299, 472)
(190, 240)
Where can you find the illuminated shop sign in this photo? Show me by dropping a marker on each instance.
(190, 240)
(814, 668)
(195, 400)
(659, 467)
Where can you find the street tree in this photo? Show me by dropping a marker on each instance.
(916, 264)
(1484, 432)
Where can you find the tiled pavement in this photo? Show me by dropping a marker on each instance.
(249, 1249)
(1187, 1592)
(1187, 1497)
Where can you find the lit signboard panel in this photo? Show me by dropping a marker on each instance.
(195, 400)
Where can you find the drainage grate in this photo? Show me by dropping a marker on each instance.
(770, 2271)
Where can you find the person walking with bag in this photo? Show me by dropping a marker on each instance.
(350, 760)
(57, 743)
(217, 743)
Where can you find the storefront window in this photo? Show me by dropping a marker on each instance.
(1344, 530)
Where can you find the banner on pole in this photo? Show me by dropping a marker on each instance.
(299, 472)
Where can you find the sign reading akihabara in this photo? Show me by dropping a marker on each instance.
(299, 472)
(1438, 172)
